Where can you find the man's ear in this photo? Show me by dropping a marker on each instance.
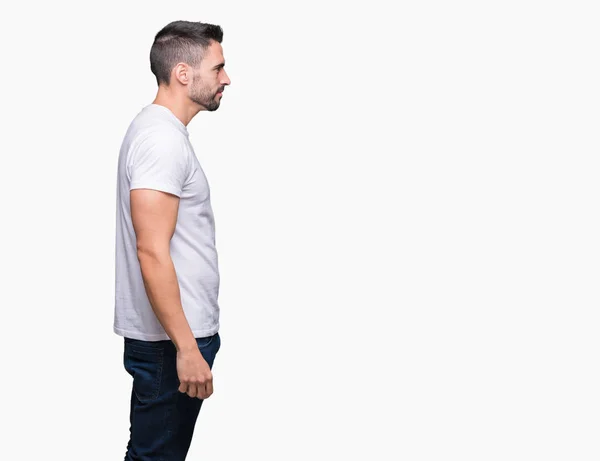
(182, 73)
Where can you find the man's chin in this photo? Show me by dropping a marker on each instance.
(208, 107)
(213, 107)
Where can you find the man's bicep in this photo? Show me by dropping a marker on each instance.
(154, 215)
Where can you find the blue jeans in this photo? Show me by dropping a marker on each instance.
(162, 418)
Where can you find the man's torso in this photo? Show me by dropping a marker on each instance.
(192, 246)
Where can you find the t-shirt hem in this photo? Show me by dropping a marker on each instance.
(162, 336)
(156, 186)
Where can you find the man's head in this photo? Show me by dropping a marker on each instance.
(187, 57)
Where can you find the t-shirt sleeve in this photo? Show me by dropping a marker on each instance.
(160, 164)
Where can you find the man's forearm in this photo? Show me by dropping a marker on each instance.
(162, 288)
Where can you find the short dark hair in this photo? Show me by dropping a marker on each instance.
(181, 41)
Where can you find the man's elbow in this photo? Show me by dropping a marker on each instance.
(152, 253)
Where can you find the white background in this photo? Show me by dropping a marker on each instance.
(406, 202)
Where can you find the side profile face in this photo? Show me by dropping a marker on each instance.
(210, 79)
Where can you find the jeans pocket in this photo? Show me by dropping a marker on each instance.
(145, 365)
(207, 341)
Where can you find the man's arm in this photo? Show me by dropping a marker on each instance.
(154, 216)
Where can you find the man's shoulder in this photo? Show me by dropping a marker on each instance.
(146, 124)
(149, 132)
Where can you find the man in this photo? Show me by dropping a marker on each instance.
(167, 278)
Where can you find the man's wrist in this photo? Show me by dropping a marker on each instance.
(188, 345)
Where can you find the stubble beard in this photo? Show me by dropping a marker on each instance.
(204, 97)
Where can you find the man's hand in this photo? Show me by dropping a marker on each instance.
(194, 374)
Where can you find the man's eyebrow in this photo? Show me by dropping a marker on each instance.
(222, 64)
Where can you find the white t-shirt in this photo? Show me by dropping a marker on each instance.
(156, 154)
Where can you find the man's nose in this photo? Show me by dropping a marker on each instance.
(226, 80)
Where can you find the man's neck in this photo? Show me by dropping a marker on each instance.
(181, 109)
